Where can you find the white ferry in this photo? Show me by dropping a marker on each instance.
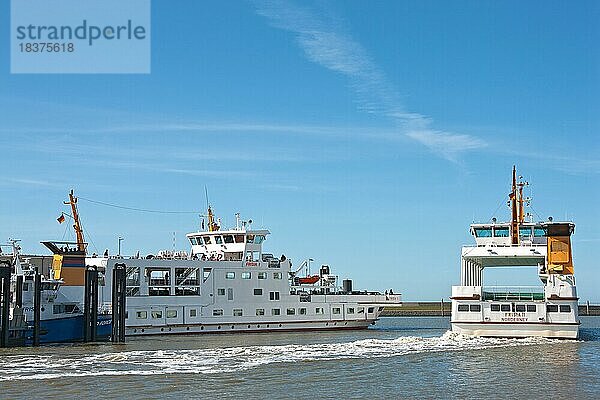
(550, 310)
(227, 283)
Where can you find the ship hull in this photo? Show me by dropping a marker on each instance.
(277, 326)
(517, 330)
(69, 329)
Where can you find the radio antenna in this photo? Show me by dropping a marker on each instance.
(206, 194)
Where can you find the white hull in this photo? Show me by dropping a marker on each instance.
(516, 330)
(248, 327)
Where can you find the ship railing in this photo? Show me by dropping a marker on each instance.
(513, 293)
(526, 244)
(189, 277)
(160, 282)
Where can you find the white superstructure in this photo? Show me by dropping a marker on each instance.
(547, 310)
(228, 284)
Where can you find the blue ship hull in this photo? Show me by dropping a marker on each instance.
(70, 329)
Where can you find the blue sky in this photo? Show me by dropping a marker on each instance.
(366, 135)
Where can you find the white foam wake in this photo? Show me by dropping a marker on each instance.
(223, 360)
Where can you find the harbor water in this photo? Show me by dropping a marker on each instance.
(399, 357)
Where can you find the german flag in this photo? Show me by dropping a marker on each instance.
(61, 219)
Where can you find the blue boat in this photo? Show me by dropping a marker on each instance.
(61, 310)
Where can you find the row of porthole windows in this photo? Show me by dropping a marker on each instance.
(257, 292)
(516, 307)
(158, 314)
(232, 327)
(238, 312)
(248, 275)
(565, 308)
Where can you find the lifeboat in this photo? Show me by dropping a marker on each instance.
(309, 280)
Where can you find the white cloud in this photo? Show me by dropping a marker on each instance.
(448, 145)
(324, 43)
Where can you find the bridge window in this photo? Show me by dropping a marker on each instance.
(336, 310)
(260, 311)
(291, 311)
(141, 314)
(524, 232)
(253, 256)
(221, 291)
(193, 312)
(483, 232)
(520, 308)
(475, 307)
(505, 307)
(371, 310)
(207, 240)
(258, 292)
(228, 239)
(193, 240)
(275, 311)
(463, 307)
(239, 238)
(495, 307)
(156, 314)
(302, 311)
(171, 313)
(262, 275)
(217, 313)
(218, 240)
(350, 310)
(501, 232)
(552, 308)
(319, 310)
(531, 308)
(237, 312)
(276, 275)
(565, 308)
(246, 275)
(258, 239)
(539, 232)
(230, 275)
(250, 239)
(361, 310)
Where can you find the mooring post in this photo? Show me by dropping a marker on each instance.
(86, 307)
(37, 305)
(118, 303)
(90, 305)
(19, 292)
(4, 303)
(94, 305)
(442, 306)
(587, 304)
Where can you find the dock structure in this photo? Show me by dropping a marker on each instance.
(119, 303)
(4, 303)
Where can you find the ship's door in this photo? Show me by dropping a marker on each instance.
(229, 293)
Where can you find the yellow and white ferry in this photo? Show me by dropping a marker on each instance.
(550, 310)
